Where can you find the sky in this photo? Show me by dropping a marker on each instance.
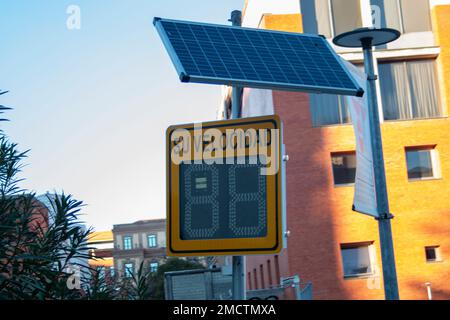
(92, 104)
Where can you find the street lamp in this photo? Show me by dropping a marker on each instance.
(367, 38)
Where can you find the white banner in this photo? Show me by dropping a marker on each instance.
(365, 200)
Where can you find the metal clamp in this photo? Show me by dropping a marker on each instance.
(385, 216)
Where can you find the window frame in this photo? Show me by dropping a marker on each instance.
(125, 270)
(367, 19)
(131, 242)
(438, 254)
(342, 105)
(402, 19)
(341, 153)
(405, 60)
(155, 239)
(435, 163)
(332, 20)
(372, 259)
(151, 265)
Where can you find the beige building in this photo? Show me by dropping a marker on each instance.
(143, 240)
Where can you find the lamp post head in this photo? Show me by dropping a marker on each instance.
(366, 37)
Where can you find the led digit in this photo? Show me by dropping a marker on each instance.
(257, 198)
(204, 199)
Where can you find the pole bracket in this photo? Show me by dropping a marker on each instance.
(385, 216)
(372, 78)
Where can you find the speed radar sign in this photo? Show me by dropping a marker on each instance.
(224, 188)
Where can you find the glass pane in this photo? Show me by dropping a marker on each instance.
(346, 15)
(431, 254)
(416, 15)
(356, 261)
(153, 267)
(419, 164)
(395, 91)
(328, 109)
(128, 270)
(390, 14)
(409, 90)
(344, 168)
(423, 87)
(323, 18)
(152, 241)
(127, 243)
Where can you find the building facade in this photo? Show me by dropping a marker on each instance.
(102, 256)
(334, 248)
(141, 241)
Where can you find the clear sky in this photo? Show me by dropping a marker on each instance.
(93, 104)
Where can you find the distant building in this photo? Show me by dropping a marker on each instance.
(120, 252)
(141, 241)
(102, 256)
(48, 201)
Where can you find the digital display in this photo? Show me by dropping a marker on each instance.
(225, 188)
(222, 201)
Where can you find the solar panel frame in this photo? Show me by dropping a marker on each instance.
(184, 76)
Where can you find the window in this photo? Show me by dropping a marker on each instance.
(422, 163)
(344, 168)
(334, 17)
(129, 270)
(357, 259)
(346, 15)
(153, 266)
(328, 109)
(405, 15)
(433, 254)
(127, 243)
(151, 239)
(409, 90)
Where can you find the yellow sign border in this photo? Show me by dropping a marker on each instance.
(271, 244)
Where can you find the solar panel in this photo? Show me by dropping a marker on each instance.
(219, 54)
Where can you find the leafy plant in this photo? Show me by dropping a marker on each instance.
(42, 243)
(39, 244)
(101, 289)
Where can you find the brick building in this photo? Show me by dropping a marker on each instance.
(330, 245)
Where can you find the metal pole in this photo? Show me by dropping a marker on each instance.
(236, 99)
(429, 293)
(384, 221)
(298, 290)
(239, 278)
(239, 290)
